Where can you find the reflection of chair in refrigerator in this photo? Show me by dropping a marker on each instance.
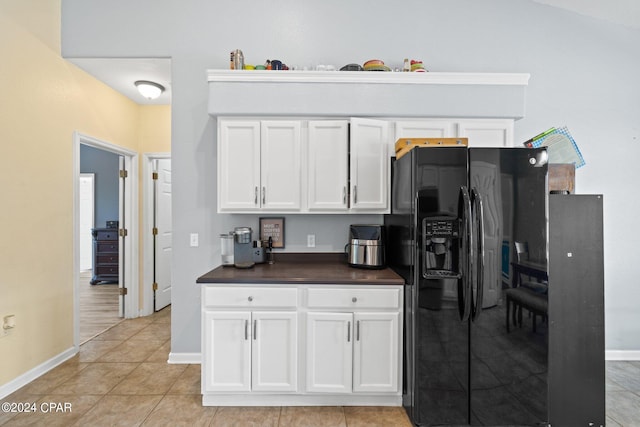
(530, 294)
(521, 297)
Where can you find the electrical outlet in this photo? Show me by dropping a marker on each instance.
(194, 240)
(8, 323)
(311, 240)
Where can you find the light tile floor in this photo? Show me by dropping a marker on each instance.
(121, 378)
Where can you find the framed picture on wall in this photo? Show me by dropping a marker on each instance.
(274, 228)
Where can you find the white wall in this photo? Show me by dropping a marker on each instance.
(584, 75)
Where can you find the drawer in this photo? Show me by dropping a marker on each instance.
(107, 247)
(353, 298)
(106, 270)
(106, 234)
(107, 258)
(250, 297)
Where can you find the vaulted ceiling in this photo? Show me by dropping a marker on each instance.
(120, 74)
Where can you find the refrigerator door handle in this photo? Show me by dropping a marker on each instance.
(466, 254)
(478, 213)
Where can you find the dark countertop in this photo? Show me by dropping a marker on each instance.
(317, 268)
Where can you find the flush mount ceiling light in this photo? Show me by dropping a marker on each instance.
(149, 90)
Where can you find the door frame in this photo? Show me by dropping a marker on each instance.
(131, 251)
(147, 226)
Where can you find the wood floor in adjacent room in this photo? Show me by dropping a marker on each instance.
(98, 307)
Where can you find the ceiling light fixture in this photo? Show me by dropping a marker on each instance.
(149, 90)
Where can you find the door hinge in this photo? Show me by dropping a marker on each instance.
(154, 175)
(155, 231)
(124, 173)
(122, 232)
(122, 291)
(155, 286)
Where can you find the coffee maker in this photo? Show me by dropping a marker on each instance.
(242, 248)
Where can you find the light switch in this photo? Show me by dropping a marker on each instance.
(194, 240)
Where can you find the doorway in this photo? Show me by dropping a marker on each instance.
(118, 222)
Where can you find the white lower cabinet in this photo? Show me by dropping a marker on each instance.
(246, 351)
(301, 344)
(352, 352)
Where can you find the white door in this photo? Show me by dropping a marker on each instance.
(486, 132)
(274, 351)
(329, 352)
(280, 161)
(327, 163)
(163, 236)
(86, 220)
(226, 351)
(238, 166)
(375, 353)
(369, 164)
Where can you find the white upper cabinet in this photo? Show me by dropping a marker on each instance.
(424, 129)
(487, 132)
(328, 165)
(259, 166)
(369, 165)
(238, 166)
(280, 159)
(481, 132)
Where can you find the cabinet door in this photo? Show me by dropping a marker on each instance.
(424, 129)
(238, 165)
(329, 352)
(280, 165)
(369, 165)
(274, 351)
(487, 132)
(375, 362)
(226, 353)
(328, 165)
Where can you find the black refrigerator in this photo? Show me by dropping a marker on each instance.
(456, 216)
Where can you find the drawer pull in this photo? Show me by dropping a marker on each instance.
(250, 298)
(354, 299)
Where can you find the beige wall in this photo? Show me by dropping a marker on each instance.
(43, 100)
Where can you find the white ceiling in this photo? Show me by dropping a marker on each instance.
(120, 73)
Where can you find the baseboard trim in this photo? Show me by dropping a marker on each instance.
(622, 355)
(185, 358)
(41, 369)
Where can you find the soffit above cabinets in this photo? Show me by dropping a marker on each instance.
(366, 93)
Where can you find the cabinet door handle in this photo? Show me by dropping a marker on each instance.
(355, 194)
(348, 331)
(255, 195)
(264, 195)
(344, 195)
(246, 330)
(255, 329)
(358, 330)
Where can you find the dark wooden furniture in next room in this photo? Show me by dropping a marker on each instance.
(105, 255)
